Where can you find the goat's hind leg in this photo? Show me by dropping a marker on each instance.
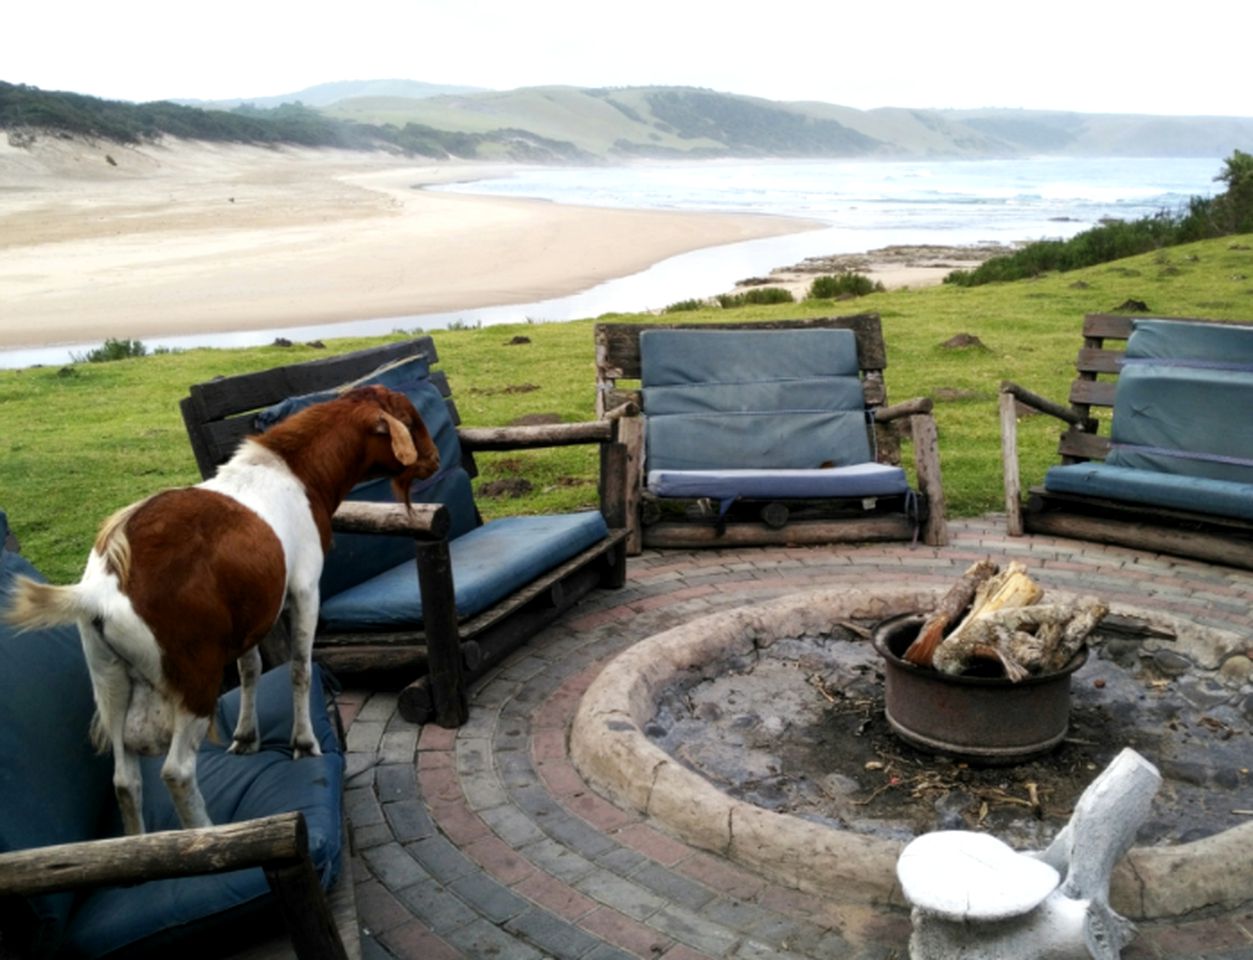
(179, 769)
(112, 687)
(304, 613)
(245, 739)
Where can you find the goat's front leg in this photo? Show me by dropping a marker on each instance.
(179, 769)
(245, 739)
(304, 621)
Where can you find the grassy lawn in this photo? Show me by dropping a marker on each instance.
(77, 443)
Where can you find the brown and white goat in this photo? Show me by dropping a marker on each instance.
(180, 584)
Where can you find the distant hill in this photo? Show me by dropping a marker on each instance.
(325, 94)
(590, 125)
(689, 122)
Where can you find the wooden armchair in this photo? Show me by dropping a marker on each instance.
(1156, 451)
(481, 589)
(802, 404)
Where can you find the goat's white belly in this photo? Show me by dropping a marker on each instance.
(262, 482)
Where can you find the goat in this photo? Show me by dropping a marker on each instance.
(180, 584)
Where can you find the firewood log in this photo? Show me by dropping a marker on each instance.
(1007, 590)
(950, 608)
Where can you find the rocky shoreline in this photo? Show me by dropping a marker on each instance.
(896, 267)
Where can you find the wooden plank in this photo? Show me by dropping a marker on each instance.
(618, 344)
(1093, 393)
(1095, 360)
(1201, 545)
(1079, 445)
(443, 646)
(252, 391)
(1111, 326)
(674, 534)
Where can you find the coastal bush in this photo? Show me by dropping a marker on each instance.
(848, 282)
(1202, 218)
(757, 296)
(684, 305)
(112, 349)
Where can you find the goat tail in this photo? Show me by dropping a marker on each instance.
(34, 605)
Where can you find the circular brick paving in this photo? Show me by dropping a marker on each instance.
(486, 842)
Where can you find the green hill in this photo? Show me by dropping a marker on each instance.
(579, 125)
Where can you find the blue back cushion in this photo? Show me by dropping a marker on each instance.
(1181, 401)
(354, 558)
(753, 399)
(54, 787)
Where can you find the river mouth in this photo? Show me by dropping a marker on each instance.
(806, 783)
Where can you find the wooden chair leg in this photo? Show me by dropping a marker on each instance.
(443, 640)
(927, 465)
(1009, 464)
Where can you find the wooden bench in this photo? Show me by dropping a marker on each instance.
(447, 647)
(1086, 438)
(658, 522)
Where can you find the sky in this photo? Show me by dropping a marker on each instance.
(1095, 56)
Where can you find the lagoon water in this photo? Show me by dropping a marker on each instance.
(861, 205)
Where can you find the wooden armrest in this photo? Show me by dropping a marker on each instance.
(282, 838)
(424, 520)
(1037, 402)
(905, 409)
(539, 435)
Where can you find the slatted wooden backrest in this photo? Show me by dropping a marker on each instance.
(618, 353)
(220, 413)
(1092, 393)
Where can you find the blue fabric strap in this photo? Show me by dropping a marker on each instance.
(1183, 454)
(1184, 362)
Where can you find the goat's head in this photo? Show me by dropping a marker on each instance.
(399, 445)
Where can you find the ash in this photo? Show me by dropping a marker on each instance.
(799, 728)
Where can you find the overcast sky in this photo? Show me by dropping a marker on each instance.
(1090, 56)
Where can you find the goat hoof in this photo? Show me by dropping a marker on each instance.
(241, 745)
(310, 749)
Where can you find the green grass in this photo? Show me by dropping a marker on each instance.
(77, 443)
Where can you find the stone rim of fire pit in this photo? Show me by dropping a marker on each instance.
(611, 751)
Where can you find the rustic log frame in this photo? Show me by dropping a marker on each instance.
(617, 358)
(278, 844)
(218, 414)
(1140, 526)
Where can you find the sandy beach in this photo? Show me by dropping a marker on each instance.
(102, 241)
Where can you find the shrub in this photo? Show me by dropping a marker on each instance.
(113, 349)
(849, 282)
(758, 295)
(684, 305)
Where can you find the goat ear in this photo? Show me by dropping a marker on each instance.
(402, 442)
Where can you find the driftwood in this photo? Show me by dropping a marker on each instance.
(950, 608)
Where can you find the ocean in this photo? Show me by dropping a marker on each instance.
(864, 205)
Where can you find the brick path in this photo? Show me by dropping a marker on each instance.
(485, 842)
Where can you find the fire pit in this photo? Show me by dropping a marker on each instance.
(636, 738)
(979, 715)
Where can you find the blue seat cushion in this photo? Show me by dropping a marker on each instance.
(1198, 494)
(354, 558)
(488, 563)
(861, 480)
(54, 787)
(752, 399)
(235, 788)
